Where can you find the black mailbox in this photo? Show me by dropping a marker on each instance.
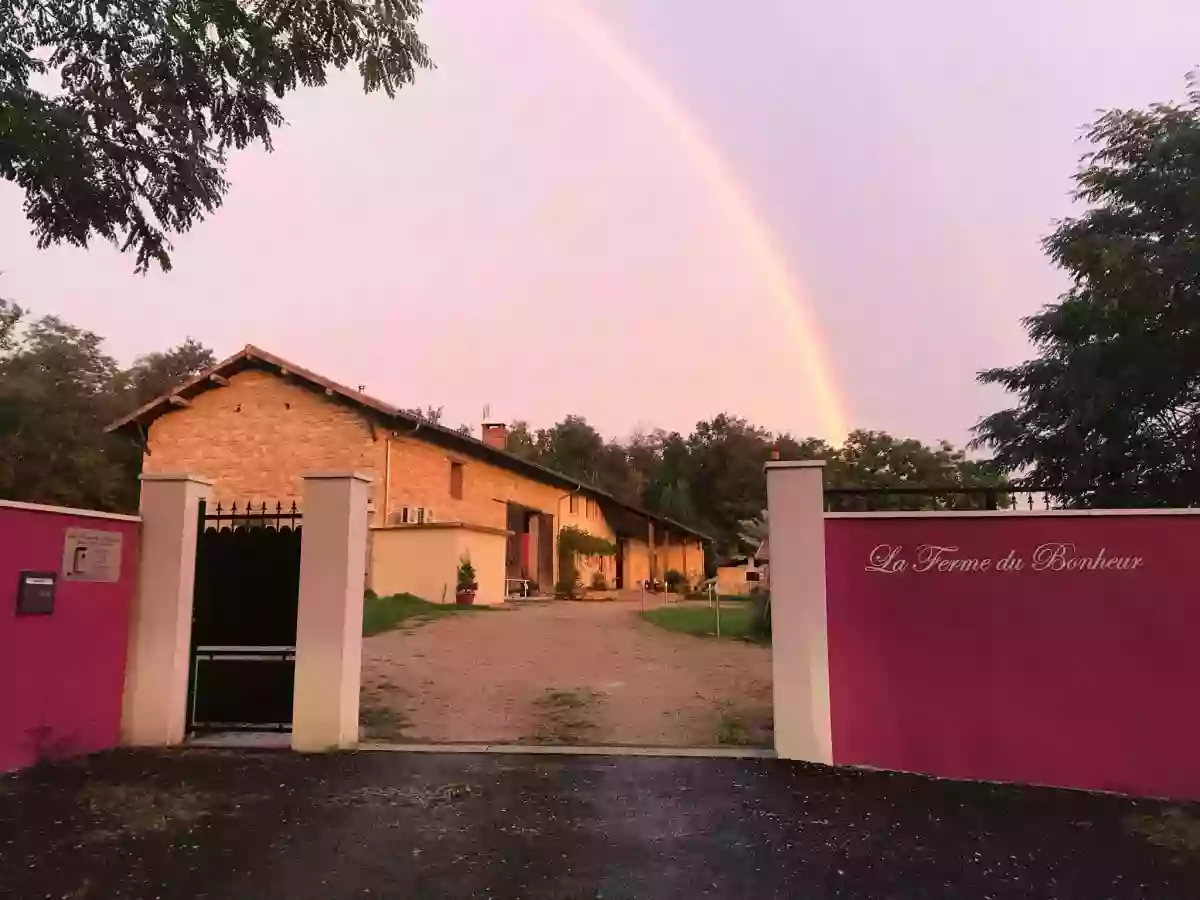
(35, 593)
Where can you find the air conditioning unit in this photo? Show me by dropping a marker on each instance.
(412, 515)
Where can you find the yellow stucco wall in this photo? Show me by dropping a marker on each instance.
(636, 561)
(424, 561)
(686, 557)
(732, 579)
(421, 561)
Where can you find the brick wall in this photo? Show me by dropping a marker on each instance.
(420, 476)
(255, 438)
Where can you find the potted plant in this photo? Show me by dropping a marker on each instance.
(464, 592)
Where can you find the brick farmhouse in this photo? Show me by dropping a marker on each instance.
(254, 424)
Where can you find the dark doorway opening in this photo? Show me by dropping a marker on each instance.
(529, 560)
(247, 592)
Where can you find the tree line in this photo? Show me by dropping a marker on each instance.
(712, 478)
(58, 391)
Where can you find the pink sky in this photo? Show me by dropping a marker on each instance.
(521, 230)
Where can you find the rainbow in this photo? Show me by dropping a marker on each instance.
(730, 196)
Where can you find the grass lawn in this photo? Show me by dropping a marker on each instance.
(736, 620)
(385, 613)
(725, 598)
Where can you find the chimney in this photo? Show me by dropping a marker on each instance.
(774, 453)
(495, 434)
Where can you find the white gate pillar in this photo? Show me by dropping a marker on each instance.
(154, 706)
(329, 619)
(799, 640)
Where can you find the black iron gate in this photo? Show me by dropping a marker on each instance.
(244, 619)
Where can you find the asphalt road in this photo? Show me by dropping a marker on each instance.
(233, 825)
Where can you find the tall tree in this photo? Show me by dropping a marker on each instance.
(871, 459)
(156, 374)
(154, 92)
(56, 392)
(521, 441)
(713, 478)
(1108, 412)
(724, 473)
(571, 446)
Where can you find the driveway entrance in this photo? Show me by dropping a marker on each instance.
(564, 673)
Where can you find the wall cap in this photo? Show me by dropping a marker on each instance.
(332, 476)
(68, 511)
(1007, 513)
(795, 464)
(175, 476)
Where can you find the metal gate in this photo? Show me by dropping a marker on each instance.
(247, 592)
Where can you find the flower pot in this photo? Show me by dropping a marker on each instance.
(464, 598)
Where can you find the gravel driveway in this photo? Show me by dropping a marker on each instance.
(561, 672)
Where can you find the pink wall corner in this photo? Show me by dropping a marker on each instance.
(61, 675)
(1083, 678)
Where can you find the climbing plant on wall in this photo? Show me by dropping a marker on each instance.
(574, 542)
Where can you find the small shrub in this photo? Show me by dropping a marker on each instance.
(466, 575)
(733, 731)
(379, 722)
(676, 581)
(599, 582)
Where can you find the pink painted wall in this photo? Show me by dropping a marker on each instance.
(61, 675)
(1085, 678)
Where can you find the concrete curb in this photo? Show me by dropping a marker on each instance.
(572, 750)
